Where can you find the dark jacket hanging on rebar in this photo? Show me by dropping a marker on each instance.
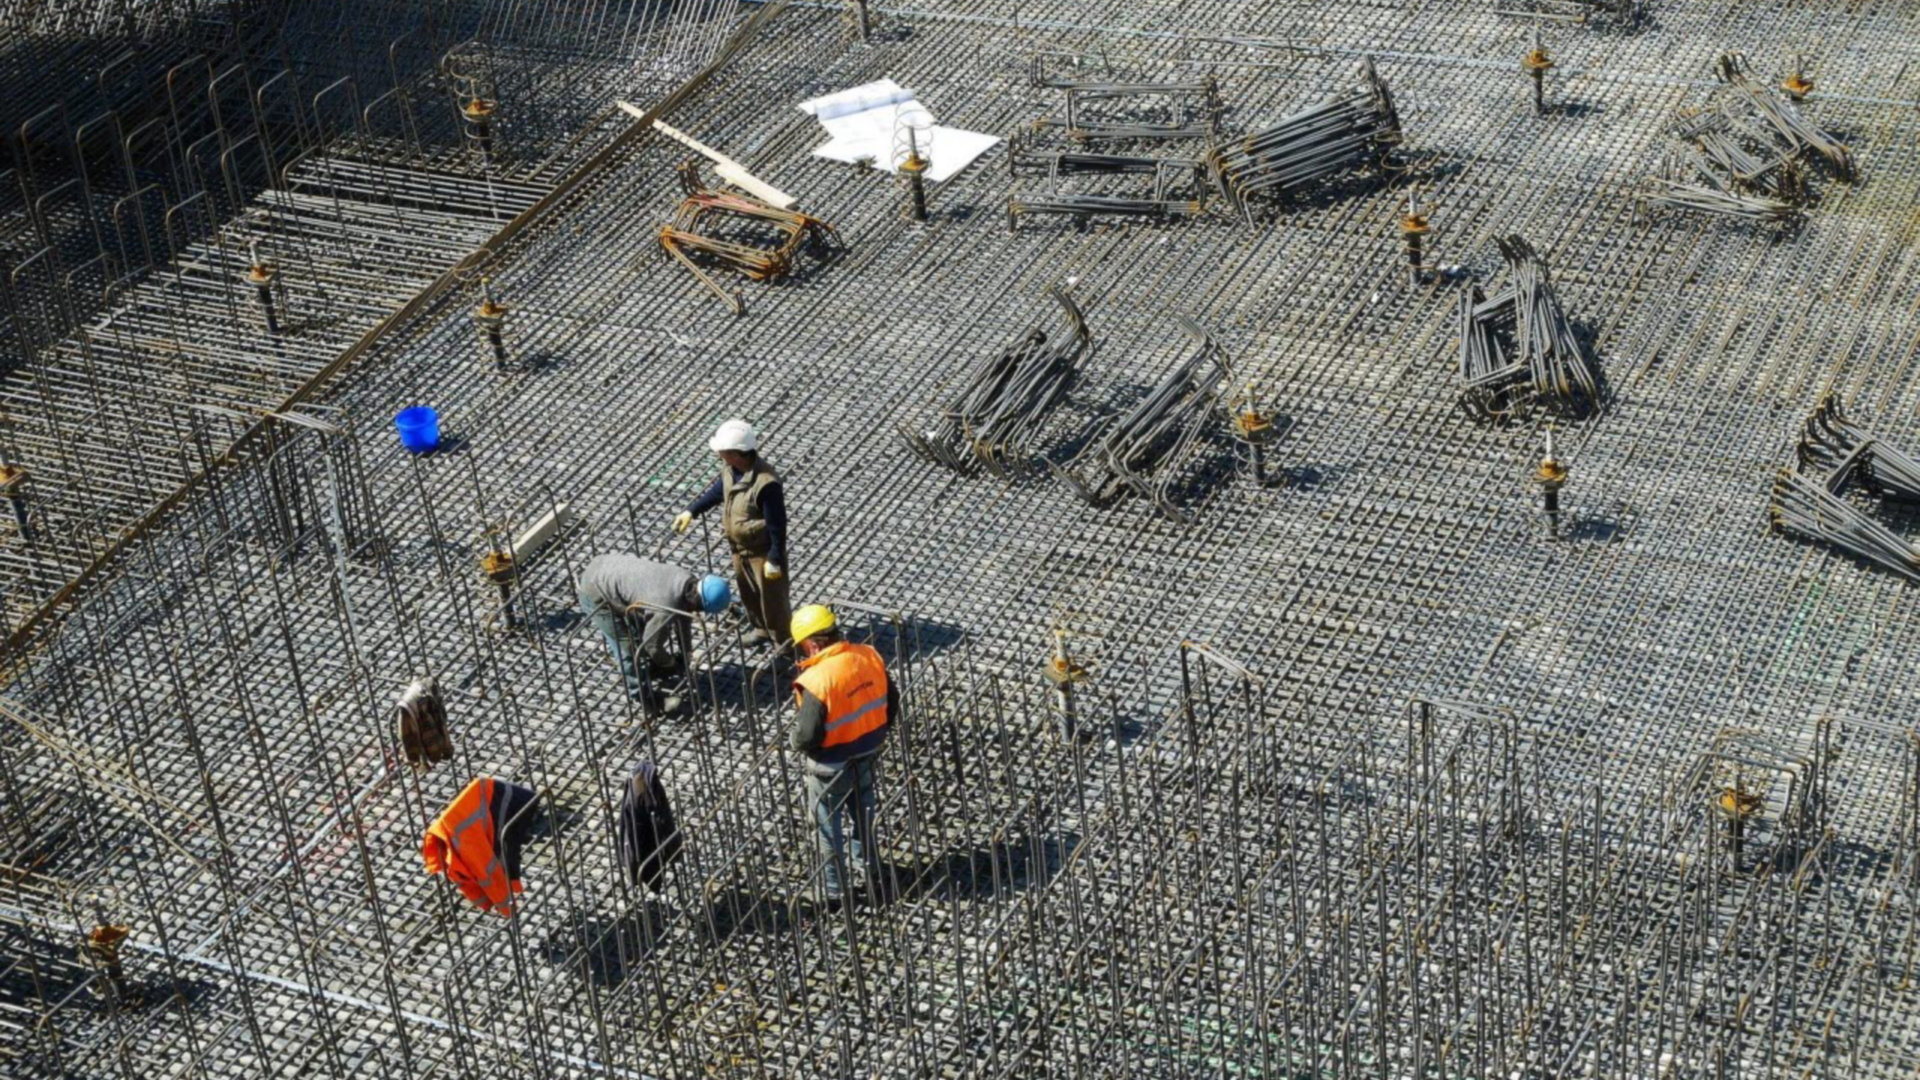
(512, 807)
(649, 838)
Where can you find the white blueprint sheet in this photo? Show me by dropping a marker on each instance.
(861, 124)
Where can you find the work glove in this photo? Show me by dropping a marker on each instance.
(682, 521)
(775, 571)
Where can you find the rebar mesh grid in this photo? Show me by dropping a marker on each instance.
(212, 225)
(1280, 868)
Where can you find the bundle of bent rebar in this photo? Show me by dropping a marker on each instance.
(1517, 347)
(1792, 131)
(1744, 155)
(1687, 182)
(1828, 439)
(1342, 135)
(1146, 448)
(1833, 454)
(1007, 401)
(689, 234)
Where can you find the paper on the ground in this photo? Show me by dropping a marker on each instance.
(862, 122)
(954, 149)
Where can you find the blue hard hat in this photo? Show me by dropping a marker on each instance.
(714, 594)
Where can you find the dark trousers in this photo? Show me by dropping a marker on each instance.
(628, 636)
(765, 601)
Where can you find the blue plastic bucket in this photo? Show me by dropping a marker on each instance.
(419, 428)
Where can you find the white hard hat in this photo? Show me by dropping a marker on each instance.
(734, 435)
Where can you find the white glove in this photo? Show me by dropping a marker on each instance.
(682, 521)
(775, 572)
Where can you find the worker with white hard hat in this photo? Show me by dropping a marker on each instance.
(753, 516)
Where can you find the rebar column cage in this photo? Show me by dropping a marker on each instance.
(1767, 792)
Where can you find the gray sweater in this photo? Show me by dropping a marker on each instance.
(620, 581)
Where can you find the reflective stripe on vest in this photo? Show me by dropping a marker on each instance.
(851, 681)
(494, 877)
(470, 843)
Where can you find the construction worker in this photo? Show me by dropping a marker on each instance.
(753, 516)
(843, 702)
(632, 600)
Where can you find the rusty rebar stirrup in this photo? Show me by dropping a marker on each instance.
(691, 233)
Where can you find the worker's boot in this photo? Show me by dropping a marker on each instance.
(757, 636)
(671, 704)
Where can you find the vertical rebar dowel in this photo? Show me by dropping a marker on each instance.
(13, 483)
(1535, 64)
(260, 275)
(1187, 712)
(912, 138)
(1063, 673)
(1413, 232)
(1551, 476)
(916, 169)
(478, 114)
(491, 319)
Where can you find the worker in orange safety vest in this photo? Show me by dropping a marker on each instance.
(843, 702)
(476, 841)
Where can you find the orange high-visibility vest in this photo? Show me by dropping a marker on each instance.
(460, 844)
(851, 681)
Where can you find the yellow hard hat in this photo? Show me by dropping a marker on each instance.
(810, 620)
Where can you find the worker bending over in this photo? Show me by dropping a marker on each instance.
(843, 702)
(634, 600)
(753, 515)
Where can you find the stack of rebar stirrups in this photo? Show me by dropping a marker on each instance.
(1349, 133)
(1150, 447)
(1007, 400)
(1517, 348)
(1835, 456)
(1121, 113)
(1746, 153)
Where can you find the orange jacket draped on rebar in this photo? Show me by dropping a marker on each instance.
(476, 841)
